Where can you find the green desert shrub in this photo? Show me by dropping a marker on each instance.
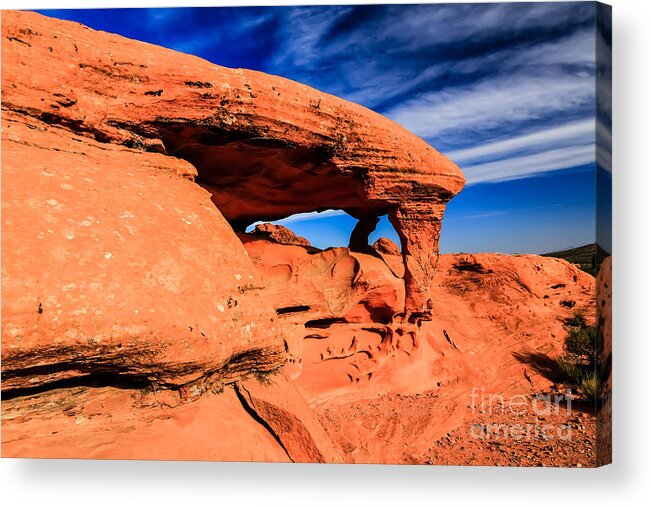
(568, 370)
(577, 366)
(576, 320)
(590, 386)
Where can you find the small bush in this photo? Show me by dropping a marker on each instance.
(580, 345)
(577, 366)
(576, 320)
(569, 371)
(590, 387)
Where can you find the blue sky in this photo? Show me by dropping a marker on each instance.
(506, 91)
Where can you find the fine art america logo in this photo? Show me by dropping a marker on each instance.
(540, 407)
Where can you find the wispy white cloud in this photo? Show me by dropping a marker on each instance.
(421, 27)
(576, 49)
(304, 29)
(580, 132)
(494, 102)
(530, 165)
(604, 146)
(397, 50)
(477, 216)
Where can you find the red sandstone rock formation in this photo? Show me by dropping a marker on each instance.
(123, 315)
(343, 303)
(249, 420)
(100, 245)
(312, 291)
(318, 151)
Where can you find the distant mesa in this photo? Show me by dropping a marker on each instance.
(587, 257)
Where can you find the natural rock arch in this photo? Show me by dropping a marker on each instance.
(264, 146)
(257, 178)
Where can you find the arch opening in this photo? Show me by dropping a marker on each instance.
(255, 177)
(337, 228)
(323, 229)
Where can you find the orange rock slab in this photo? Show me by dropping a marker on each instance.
(273, 425)
(114, 263)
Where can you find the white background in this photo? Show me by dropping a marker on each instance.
(627, 481)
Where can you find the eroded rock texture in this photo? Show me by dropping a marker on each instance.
(100, 245)
(395, 392)
(264, 146)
